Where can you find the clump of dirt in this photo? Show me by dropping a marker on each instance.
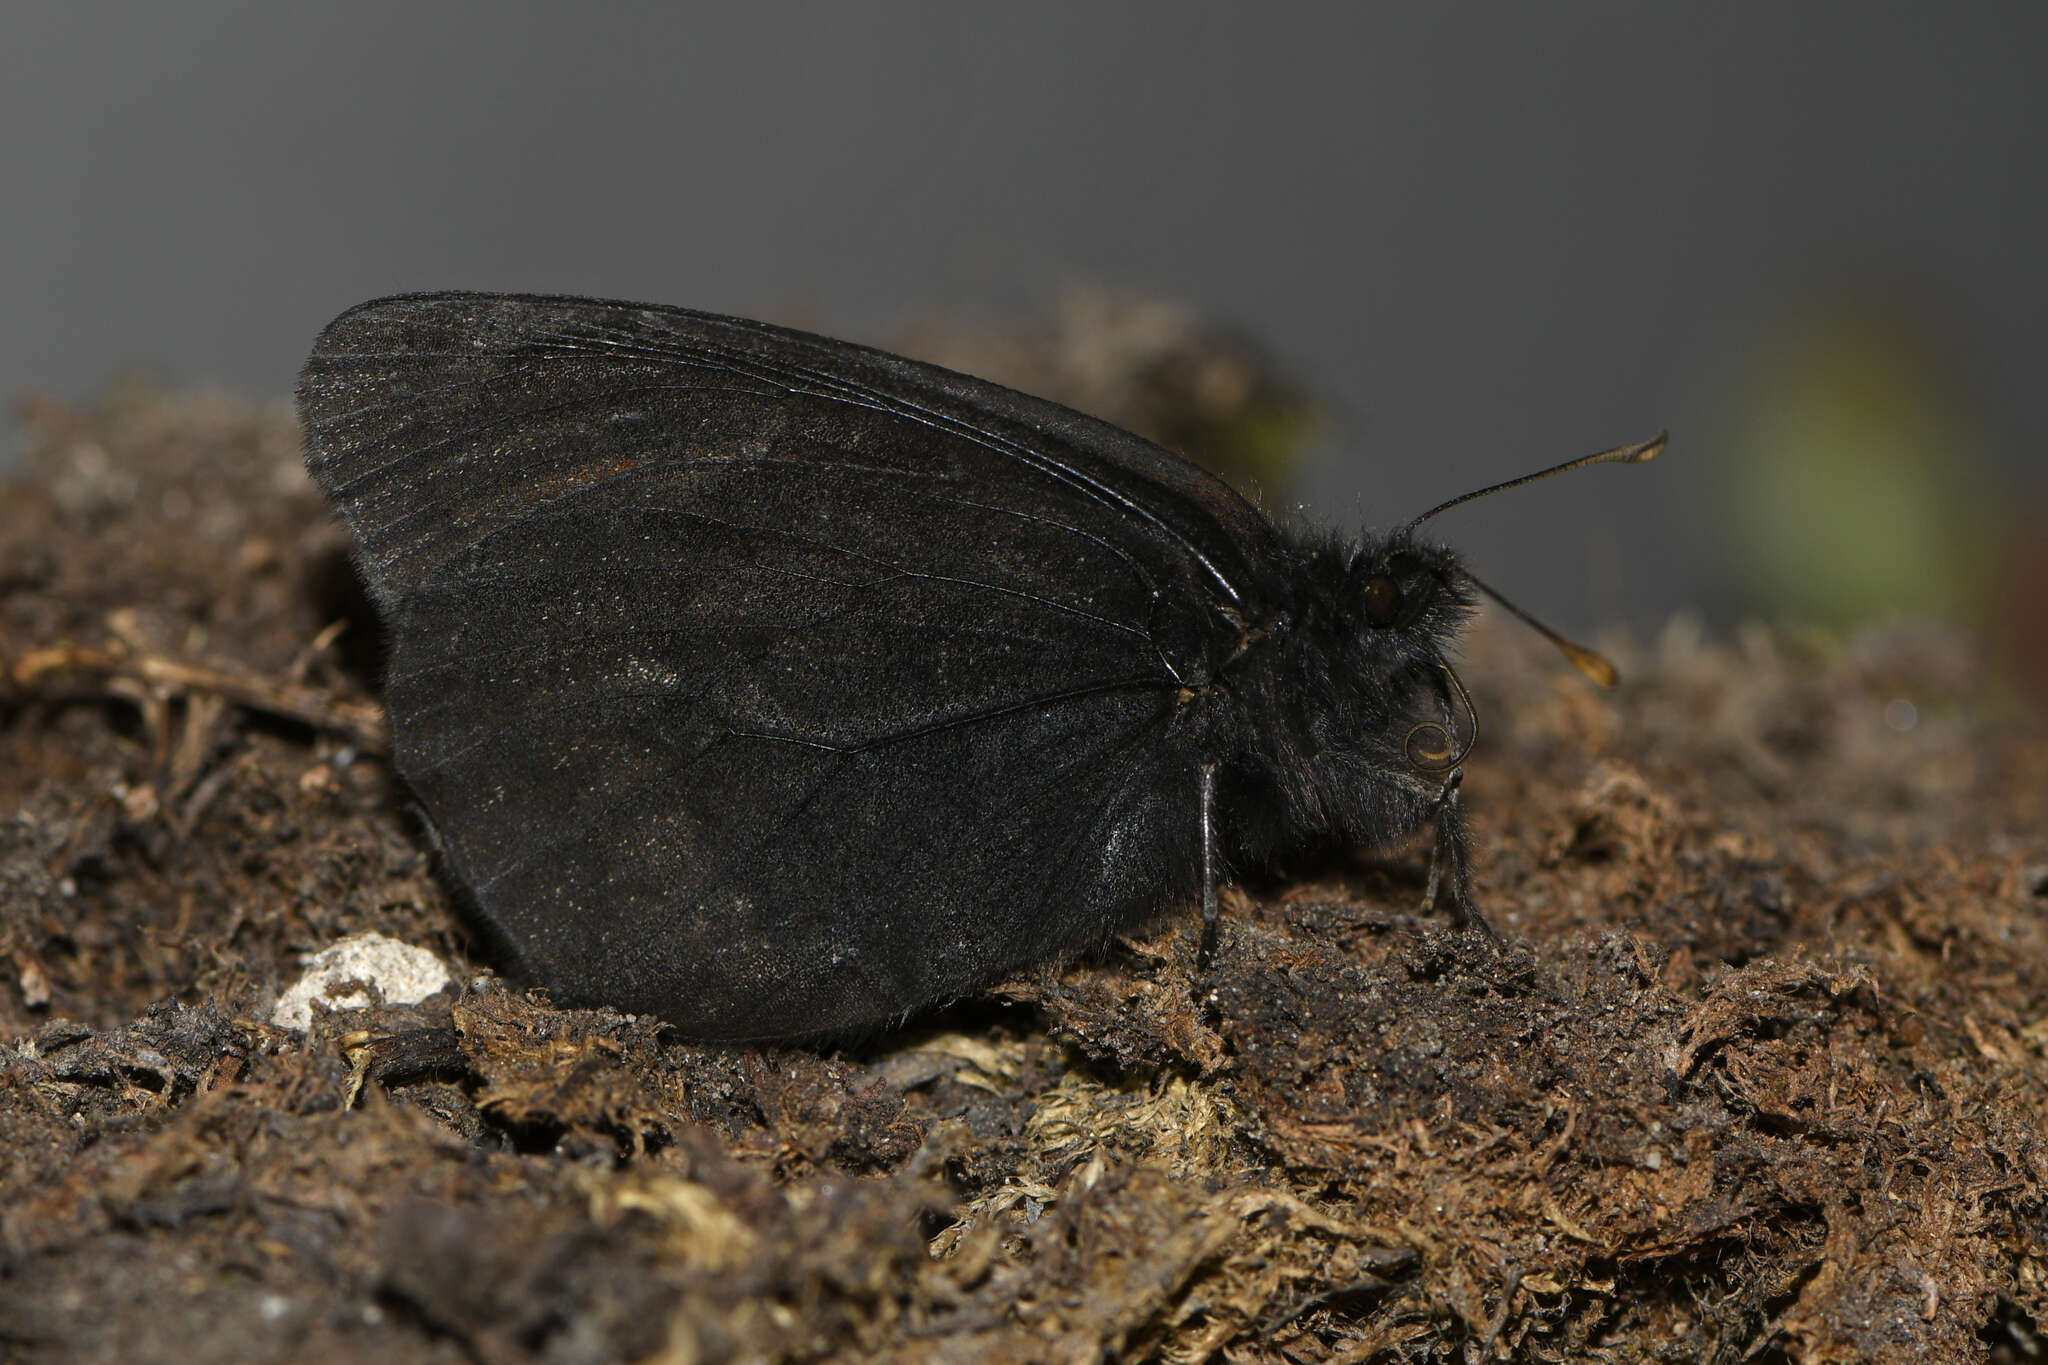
(1756, 1072)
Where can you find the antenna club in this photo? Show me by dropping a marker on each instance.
(1647, 451)
(1594, 665)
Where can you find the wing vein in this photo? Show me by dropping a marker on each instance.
(856, 394)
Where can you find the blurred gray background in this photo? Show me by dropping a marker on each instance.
(1807, 238)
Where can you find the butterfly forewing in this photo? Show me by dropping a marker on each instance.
(768, 682)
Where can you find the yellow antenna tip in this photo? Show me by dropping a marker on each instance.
(1647, 451)
(1594, 665)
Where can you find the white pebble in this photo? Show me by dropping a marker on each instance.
(336, 976)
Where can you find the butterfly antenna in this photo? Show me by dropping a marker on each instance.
(1642, 452)
(1589, 662)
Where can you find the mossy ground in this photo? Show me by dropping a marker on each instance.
(1759, 1070)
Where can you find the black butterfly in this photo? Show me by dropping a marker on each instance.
(781, 686)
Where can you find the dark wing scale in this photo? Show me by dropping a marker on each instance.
(770, 683)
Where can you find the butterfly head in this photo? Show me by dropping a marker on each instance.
(1396, 605)
(1408, 603)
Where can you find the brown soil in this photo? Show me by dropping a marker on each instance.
(1758, 1074)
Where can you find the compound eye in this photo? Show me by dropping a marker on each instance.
(1382, 600)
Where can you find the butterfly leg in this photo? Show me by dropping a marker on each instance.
(1448, 868)
(1210, 906)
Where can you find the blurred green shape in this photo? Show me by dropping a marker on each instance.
(1859, 489)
